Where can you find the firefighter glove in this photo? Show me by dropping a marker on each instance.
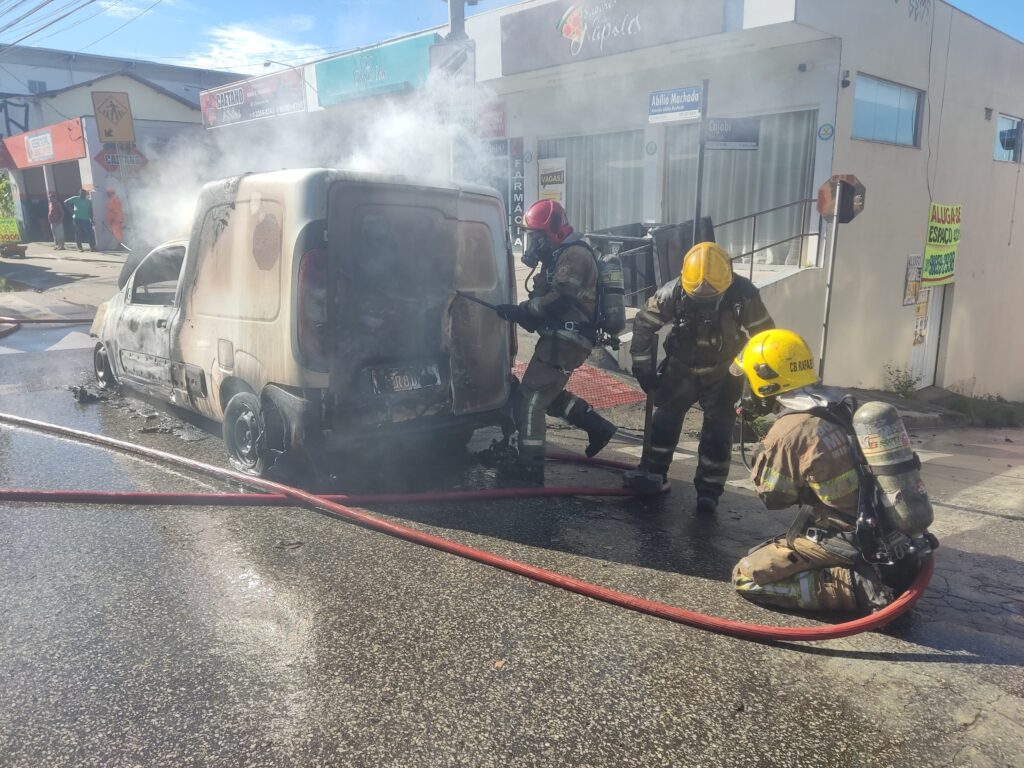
(512, 312)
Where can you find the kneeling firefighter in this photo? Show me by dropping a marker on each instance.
(862, 530)
(713, 313)
(563, 307)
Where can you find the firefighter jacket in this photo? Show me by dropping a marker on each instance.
(706, 338)
(564, 296)
(805, 459)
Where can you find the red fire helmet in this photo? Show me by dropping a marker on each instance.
(549, 217)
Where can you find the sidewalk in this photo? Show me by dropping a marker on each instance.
(602, 372)
(48, 282)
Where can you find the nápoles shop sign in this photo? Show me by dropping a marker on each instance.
(565, 32)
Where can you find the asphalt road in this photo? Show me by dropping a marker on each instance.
(251, 637)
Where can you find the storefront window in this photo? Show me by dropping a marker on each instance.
(739, 182)
(604, 178)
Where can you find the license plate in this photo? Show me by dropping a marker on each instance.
(404, 379)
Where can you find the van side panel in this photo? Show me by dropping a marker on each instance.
(235, 298)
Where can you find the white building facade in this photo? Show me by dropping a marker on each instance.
(918, 100)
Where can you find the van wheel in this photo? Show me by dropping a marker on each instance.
(101, 365)
(245, 434)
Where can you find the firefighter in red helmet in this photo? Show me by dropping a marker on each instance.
(561, 309)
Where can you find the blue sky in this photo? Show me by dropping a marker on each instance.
(240, 34)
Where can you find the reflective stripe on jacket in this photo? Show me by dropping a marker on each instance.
(806, 459)
(705, 340)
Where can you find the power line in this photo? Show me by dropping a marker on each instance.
(139, 15)
(19, 80)
(75, 23)
(8, 47)
(10, 6)
(32, 21)
(25, 15)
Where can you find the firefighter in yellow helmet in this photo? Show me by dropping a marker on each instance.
(807, 458)
(712, 313)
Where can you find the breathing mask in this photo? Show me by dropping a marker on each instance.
(537, 249)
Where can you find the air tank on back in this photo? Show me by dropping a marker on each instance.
(612, 295)
(886, 447)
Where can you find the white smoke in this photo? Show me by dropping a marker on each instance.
(413, 134)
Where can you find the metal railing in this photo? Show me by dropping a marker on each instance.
(753, 218)
(646, 261)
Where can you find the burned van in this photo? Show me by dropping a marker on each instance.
(315, 308)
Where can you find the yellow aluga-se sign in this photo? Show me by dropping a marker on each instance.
(943, 243)
(113, 117)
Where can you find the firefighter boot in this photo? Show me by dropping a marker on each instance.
(707, 505)
(645, 482)
(523, 473)
(581, 414)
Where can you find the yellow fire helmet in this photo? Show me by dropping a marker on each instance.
(774, 362)
(707, 271)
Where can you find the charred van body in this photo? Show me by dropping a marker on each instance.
(318, 307)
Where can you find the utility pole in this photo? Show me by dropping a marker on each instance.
(701, 146)
(457, 19)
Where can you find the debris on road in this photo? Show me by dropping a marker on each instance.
(84, 395)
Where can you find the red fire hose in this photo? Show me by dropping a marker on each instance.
(15, 323)
(335, 510)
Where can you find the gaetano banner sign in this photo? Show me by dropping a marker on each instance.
(942, 245)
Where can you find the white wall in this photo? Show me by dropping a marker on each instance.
(146, 103)
(763, 82)
(981, 352)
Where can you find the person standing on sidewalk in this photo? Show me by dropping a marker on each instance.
(115, 216)
(81, 216)
(713, 313)
(55, 216)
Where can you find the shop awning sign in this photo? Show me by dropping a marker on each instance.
(395, 67)
(942, 245)
(675, 105)
(280, 93)
(733, 132)
(114, 159)
(569, 31)
(55, 143)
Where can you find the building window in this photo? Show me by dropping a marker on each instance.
(778, 171)
(604, 178)
(886, 112)
(36, 86)
(1008, 139)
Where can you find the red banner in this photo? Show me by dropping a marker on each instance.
(259, 97)
(55, 143)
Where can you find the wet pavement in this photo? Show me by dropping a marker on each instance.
(237, 636)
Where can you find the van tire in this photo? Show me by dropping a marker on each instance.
(245, 434)
(101, 366)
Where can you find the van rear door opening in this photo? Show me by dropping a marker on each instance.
(396, 255)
